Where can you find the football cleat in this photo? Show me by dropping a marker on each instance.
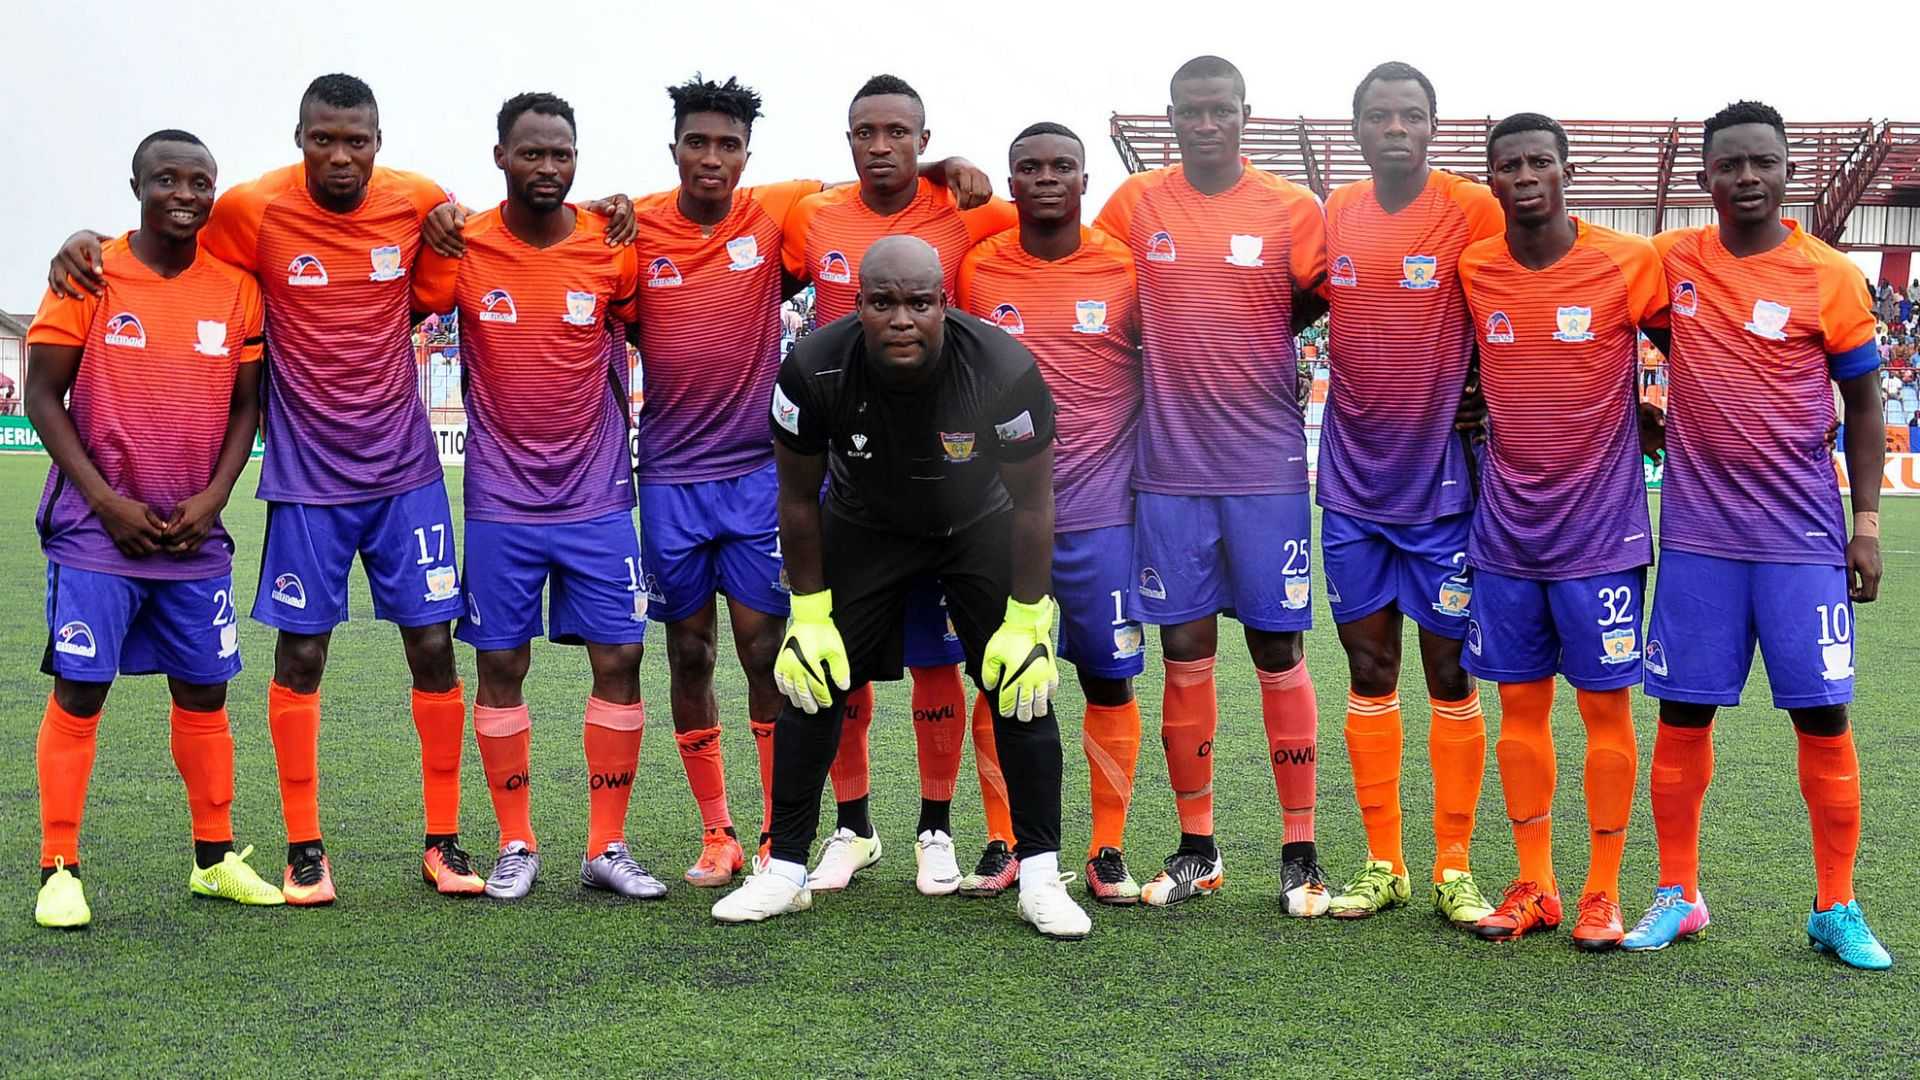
(1842, 931)
(1108, 879)
(1046, 906)
(1184, 875)
(614, 871)
(994, 874)
(938, 874)
(1303, 889)
(62, 904)
(1376, 888)
(764, 895)
(1457, 899)
(1597, 929)
(845, 854)
(449, 869)
(232, 879)
(514, 872)
(1671, 918)
(721, 857)
(309, 878)
(1522, 911)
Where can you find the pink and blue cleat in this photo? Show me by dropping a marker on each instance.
(1671, 918)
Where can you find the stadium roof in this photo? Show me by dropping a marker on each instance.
(14, 326)
(1643, 164)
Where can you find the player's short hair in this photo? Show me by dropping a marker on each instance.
(730, 99)
(172, 135)
(884, 85)
(1047, 127)
(1528, 121)
(1743, 112)
(534, 101)
(1209, 67)
(340, 91)
(1395, 71)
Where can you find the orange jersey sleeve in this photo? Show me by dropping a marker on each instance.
(1482, 209)
(995, 216)
(793, 242)
(778, 200)
(63, 320)
(1639, 264)
(433, 279)
(1308, 249)
(1846, 315)
(626, 268)
(963, 282)
(1116, 218)
(253, 312)
(232, 232)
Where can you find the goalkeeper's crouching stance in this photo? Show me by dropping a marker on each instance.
(937, 431)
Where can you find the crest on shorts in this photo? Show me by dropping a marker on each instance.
(958, 445)
(1299, 592)
(1455, 595)
(580, 308)
(1473, 636)
(743, 253)
(1418, 272)
(1128, 640)
(442, 583)
(1090, 317)
(1769, 320)
(1836, 661)
(1573, 323)
(288, 590)
(386, 263)
(1620, 646)
(75, 639)
(1151, 585)
(229, 640)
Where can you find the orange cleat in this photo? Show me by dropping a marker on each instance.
(449, 870)
(1598, 927)
(1525, 909)
(309, 879)
(720, 859)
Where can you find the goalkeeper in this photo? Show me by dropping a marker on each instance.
(935, 433)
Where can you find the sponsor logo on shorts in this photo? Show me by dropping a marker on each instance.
(1150, 584)
(1333, 592)
(662, 274)
(1299, 592)
(1473, 636)
(1244, 251)
(75, 639)
(305, 270)
(442, 583)
(1620, 646)
(125, 330)
(473, 609)
(1769, 320)
(957, 445)
(210, 337)
(580, 308)
(497, 306)
(650, 585)
(1342, 274)
(288, 590)
(743, 253)
(1656, 660)
(386, 263)
(1455, 595)
(1837, 658)
(1573, 323)
(833, 267)
(1499, 329)
(1418, 272)
(785, 412)
(1128, 640)
(1160, 247)
(1686, 301)
(1090, 317)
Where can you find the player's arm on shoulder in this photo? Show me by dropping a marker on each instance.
(76, 269)
(1116, 217)
(1307, 257)
(622, 223)
(232, 232)
(434, 278)
(793, 236)
(968, 183)
(51, 368)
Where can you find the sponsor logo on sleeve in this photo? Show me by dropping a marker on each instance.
(785, 412)
(1018, 429)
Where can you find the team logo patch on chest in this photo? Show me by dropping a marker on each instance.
(497, 306)
(1160, 247)
(834, 267)
(125, 331)
(1007, 317)
(306, 270)
(662, 274)
(210, 337)
(1419, 272)
(580, 308)
(1573, 324)
(1090, 317)
(1769, 320)
(1686, 299)
(958, 446)
(1244, 251)
(1341, 273)
(743, 253)
(386, 263)
(1499, 329)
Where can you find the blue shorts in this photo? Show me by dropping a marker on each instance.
(592, 569)
(1092, 582)
(713, 536)
(404, 541)
(1587, 629)
(1709, 612)
(930, 637)
(1248, 555)
(102, 625)
(1422, 569)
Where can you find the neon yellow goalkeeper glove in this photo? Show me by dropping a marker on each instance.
(1019, 660)
(811, 654)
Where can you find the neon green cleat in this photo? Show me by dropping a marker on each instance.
(1376, 888)
(1458, 900)
(63, 903)
(232, 879)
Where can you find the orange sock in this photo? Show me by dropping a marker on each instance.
(1111, 736)
(505, 738)
(1682, 769)
(613, 754)
(293, 719)
(203, 752)
(1457, 747)
(1830, 782)
(1527, 768)
(939, 732)
(1292, 718)
(763, 745)
(63, 757)
(706, 775)
(1373, 744)
(1190, 715)
(1613, 759)
(993, 782)
(852, 775)
(441, 721)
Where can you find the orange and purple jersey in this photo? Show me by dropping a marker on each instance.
(1755, 340)
(1217, 275)
(342, 407)
(545, 372)
(829, 232)
(1400, 346)
(710, 333)
(1077, 316)
(1562, 493)
(151, 400)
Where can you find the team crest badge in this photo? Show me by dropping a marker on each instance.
(1620, 646)
(497, 306)
(1499, 329)
(386, 264)
(1151, 585)
(743, 253)
(442, 583)
(1299, 592)
(1574, 324)
(75, 639)
(1128, 640)
(1769, 320)
(639, 605)
(1656, 660)
(1007, 317)
(1244, 250)
(580, 308)
(1160, 247)
(306, 270)
(1417, 272)
(662, 274)
(1455, 595)
(958, 445)
(210, 338)
(833, 267)
(1837, 661)
(1090, 317)
(1686, 301)
(1341, 273)
(229, 640)
(125, 330)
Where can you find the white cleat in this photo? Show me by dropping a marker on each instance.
(844, 854)
(763, 896)
(1045, 904)
(939, 873)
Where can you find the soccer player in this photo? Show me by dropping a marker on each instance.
(938, 430)
(1396, 482)
(1559, 545)
(1753, 546)
(1067, 292)
(549, 499)
(887, 132)
(139, 567)
(1228, 257)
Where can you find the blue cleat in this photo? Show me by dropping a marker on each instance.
(1671, 918)
(1842, 931)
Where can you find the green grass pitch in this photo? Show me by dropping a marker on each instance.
(878, 981)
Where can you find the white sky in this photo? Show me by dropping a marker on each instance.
(83, 82)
